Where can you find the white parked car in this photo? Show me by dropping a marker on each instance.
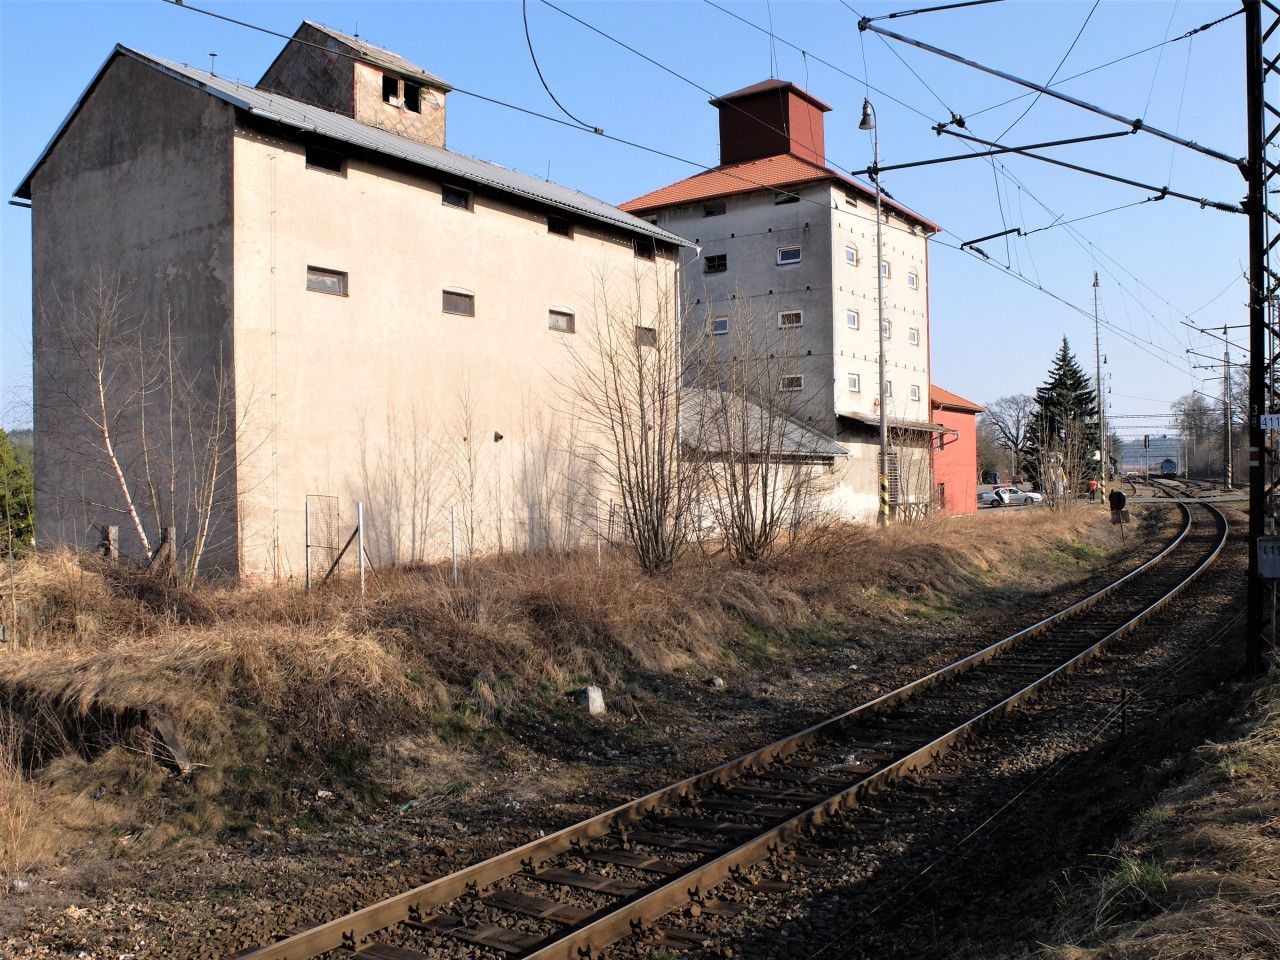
(1008, 497)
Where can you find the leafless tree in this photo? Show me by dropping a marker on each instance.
(1064, 461)
(1010, 417)
(627, 374)
(744, 418)
(163, 425)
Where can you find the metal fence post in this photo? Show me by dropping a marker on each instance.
(599, 548)
(453, 540)
(360, 527)
(307, 546)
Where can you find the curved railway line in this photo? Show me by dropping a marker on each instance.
(685, 847)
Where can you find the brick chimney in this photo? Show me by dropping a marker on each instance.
(347, 75)
(771, 118)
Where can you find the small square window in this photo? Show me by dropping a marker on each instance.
(718, 326)
(560, 226)
(915, 391)
(318, 158)
(888, 329)
(850, 200)
(788, 255)
(412, 97)
(644, 248)
(455, 197)
(888, 388)
(913, 335)
(790, 384)
(913, 280)
(562, 321)
(781, 198)
(716, 208)
(327, 281)
(462, 304)
(391, 90)
(646, 336)
(855, 383)
(851, 319)
(790, 318)
(885, 271)
(716, 263)
(851, 255)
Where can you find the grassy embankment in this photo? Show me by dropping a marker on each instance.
(272, 691)
(1199, 875)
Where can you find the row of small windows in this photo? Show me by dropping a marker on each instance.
(787, 319)
(719, 262)
(460, 303)
(855, 386)
(718, 208)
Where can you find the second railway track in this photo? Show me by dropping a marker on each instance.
(576, 891)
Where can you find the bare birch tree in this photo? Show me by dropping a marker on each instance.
(161, 424)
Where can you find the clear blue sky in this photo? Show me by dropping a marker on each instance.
(992, 335)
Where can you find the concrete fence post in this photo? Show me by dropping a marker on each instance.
(453, 540)
(360, 528)
(307, 543)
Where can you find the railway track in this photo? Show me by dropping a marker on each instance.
(689, 846)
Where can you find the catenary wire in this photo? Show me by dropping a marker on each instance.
(528, 38)
(1049, 82)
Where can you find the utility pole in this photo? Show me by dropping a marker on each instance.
(1261, 593)
(1102, 417)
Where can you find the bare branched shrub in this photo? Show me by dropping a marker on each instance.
(744, 418)
(627, 378)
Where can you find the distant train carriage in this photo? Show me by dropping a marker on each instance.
(1169, 467)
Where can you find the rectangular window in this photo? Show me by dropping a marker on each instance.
(915, 391)
(851, 319)
(888, 388)
(716, 208)
(913, 335)
(644, 248)
(560, 226)
(646, 336)
(884, 269)
(790, 318)
(412, 97)
(463, 304)
(391, 90)
(851, 255)
(718, 326)
(855, 383)
(560, 321)
(790, 384)
(788, 255)
(455, 197)
(716, 263)
(318, 158)
(327, 281)
(913, 280)
(850, 199)
(888, 329)
(781, 198)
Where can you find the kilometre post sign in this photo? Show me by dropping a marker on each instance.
(1269, 557)
(1269, 421)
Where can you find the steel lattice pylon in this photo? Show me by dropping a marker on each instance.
(1262, 171)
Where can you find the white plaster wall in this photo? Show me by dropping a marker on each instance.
(356, 396)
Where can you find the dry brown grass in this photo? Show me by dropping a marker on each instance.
(101, 652)
(1200, 876)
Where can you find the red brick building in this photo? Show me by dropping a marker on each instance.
(955, 462)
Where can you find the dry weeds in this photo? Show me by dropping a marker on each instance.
(1200, 875)
(261, 674)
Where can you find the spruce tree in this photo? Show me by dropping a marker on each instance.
(1065, 420)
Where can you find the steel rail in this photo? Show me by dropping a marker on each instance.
(352, 931)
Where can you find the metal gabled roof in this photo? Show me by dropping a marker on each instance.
(785, 437)
(335, 126)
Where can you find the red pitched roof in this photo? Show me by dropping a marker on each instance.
(764, 86)
(945, 398)
(767, 173)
